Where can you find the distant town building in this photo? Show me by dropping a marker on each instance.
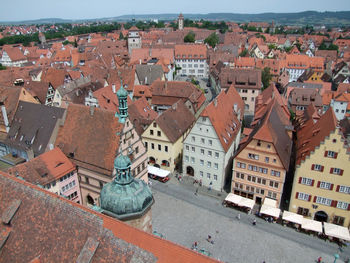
(192, 58)
(134, 40)
(180, 22)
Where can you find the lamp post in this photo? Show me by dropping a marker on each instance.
(336, 256)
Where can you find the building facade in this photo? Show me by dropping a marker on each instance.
(209, 147)
(321, 188)
(192, 59)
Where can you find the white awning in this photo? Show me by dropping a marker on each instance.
(292, 217)
(270, 202)
(157, 171)
(233, 198)
(269, 210)
(333, 230)
(246, 202)
(312, 225)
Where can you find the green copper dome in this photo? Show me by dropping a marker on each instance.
(125, 197)
(122, 92)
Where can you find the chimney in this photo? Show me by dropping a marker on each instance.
(113, 88)
(146, 80)
(215, 102)
(174, 106)
(235, 107)
(140, 61)
(150, 52)
(92, 109)
(4, 115)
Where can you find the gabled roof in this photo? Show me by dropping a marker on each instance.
(10, 97)
(223, 117)
(272, 127)
(107, 99)
(175, 121)
(45, 168)
(54, 76)
(14, 53)
(100, 127)
(191, 51)
(38, 89)
(312, 134)
(141, 114)
(33, 126)
(147, 74)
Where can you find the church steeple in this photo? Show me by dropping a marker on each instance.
(123, 103)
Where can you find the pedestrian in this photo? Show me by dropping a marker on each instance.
(200, 182)
(254, 222)
(196, 193)
(239, 216)
(319, 260)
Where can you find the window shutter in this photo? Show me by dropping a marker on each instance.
(348, 207)
(331, 187)
(313, 167)
(331, 171)
(309, 198)
(318, 184)
(296, 195)
(322, 168)
(315, 198)
(338, 186)
(312, 183)
(325, 153)
(300, 180)
(334, 203)
(341, 172)
(335, 155)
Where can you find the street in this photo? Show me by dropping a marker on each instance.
(184, 218)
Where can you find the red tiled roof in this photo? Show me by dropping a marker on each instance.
(223, 117)
(312, 134)
(191, 51)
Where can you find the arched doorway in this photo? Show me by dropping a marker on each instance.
(189, 171)
(90, 200)
(321, 216)
(152, 160)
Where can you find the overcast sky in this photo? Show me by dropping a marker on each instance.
(15, 10)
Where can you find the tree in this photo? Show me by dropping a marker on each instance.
(121, 37)
(190, 38)
(212, 40)
(2, 67)
(244, 53)
(266, 77)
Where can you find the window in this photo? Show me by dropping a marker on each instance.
(208, 164)
(317, 167)
(137, 150)
(325, 185)
(187, 147)
(338, 220)
(303, 196)
(193, 149)
(210, 142)
(343, 189)
(336, 171)
(166, 148)
(151, 132)
(192, 159)
(216, 166)
(263, 181)
(209, 153)
(186, 159)
(331, 154)
(152, 146)
(342, 205)
(86, 179)
(146, 145)
(216, 155)
(201, 173)
(101, 184)
(201, 162)
(275, 173)
(303, 211)
(193, 139)
(215, 177)
(159, 133)
(253, 156)
(202, 151)
(159, 147)
(306, 181)
(249, 178)
(202, 140)
(267, 159)
(208, 175)
(323, 201)
(154, 124)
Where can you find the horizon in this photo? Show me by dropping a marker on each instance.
(22, 10)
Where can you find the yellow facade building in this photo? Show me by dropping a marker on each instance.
(321, 187)
(164, 137)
